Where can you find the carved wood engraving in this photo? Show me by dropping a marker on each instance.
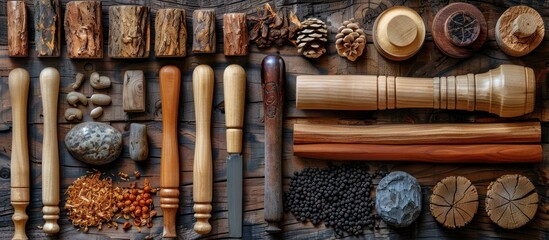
(18, 40)
(129, 31)
(83, 29)
(204, 31)
(171, 33)
(235, 34)
(48, 26)
(133, 94)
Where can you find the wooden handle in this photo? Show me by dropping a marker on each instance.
(272, 80)
(479, 153)
(234, 85)
(49, 90)
(170, 82)
(18, 82)
(465, 133)
(507, 91)
(203, 86)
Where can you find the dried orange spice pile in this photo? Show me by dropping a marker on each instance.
(136, 203)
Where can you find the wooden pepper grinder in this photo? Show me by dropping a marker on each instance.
(398, 33)
(519, 30)
(203, 86)
(18, 82)
(459, 30)
(272, 81)
(49, 89)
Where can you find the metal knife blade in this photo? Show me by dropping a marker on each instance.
(234, 188)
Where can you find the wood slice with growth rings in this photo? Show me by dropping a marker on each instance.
(454, 201)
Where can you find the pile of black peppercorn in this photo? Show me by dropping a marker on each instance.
(339, 196)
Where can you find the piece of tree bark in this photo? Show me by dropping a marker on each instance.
(139, 146)
(204, 31)
(454, 201)
(235, 34)
(18, 40)
(47, 19)
(171, 33)
(133, 94)
(129, 31)
(511, 201)
(83, 29)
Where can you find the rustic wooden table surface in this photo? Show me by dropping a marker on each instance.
(428, 62)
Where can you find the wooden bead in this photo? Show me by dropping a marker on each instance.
(83, 29)
(133, 94)
(18, 40)
(129, 31)
(204, 31)
(235, 34)
(511, 201)
(459, 30)
(47, 19)
(454, 202)
(519, 30)
(171, 33)
(398, 33)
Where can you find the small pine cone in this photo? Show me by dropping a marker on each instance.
(350, 40)
(312, 38)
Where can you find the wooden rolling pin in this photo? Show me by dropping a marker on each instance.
(203, 86)
(273, 72)
(507, 91)
(458, 133)
(18, 82)
(49, 89)
(170, 82)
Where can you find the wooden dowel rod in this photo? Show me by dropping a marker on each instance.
(468, 133)
(478, 153)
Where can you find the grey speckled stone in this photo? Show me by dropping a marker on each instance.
(398, 199)
(94, 143)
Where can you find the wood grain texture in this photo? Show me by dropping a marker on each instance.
(171, 33)
(18, 39)
(129, 31)
(235, 34)
(204, 31)
(47, 21)
(133, 95)
(454, 202)
(83, 29)
(519, 30)
(139, 144)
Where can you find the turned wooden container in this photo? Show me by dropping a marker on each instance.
(519, 30)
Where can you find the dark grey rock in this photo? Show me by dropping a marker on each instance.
(398, 199)
(94, 143)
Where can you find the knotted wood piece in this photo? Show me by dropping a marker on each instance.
(235, 34)
(47, 20)
(511, 201)
(171, 33)
(83, 29)
(454, 201)
(129, 31)
(18, 40)
(459, 30)
(519, 30)
(134, 92)
(204, 31)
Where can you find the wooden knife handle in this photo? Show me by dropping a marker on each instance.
(49, 90)
(19, 82)
(203, 86)
(170, 82)
(234, 86)
(508, 91)
(272, 81)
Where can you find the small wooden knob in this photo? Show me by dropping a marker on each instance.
(524, 25)
(401, 31)
(519, 30)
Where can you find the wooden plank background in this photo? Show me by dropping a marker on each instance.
(428, 62)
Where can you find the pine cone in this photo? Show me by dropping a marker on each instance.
(312, 38)
(350, 40)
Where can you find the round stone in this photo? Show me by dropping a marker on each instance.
(94, 143)
(398, 199)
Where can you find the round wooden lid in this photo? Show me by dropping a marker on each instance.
(511, 201)
(459, 30)
(519, 30)
(399, 33)
(454, 201)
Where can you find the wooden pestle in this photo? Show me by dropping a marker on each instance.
(170, 82)
(203, 86)
(508, 91)
(18, 82)
(49, 90)
(272, 81)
